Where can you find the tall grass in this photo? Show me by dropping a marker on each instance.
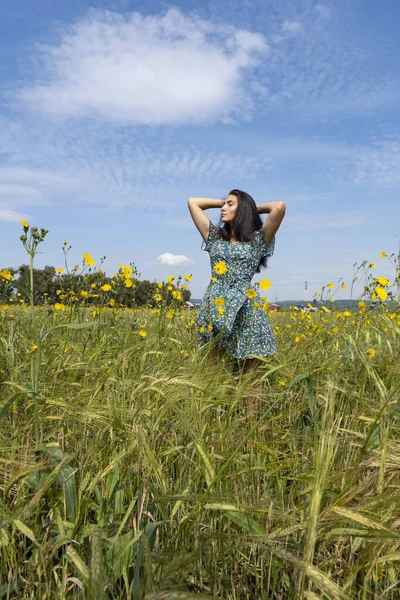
(131, 469)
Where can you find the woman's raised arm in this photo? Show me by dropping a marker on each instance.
(197, 206)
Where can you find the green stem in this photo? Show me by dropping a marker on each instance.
(36, 370)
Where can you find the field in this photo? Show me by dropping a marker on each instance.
(131, 467)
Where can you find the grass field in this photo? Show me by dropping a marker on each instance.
(130, 470)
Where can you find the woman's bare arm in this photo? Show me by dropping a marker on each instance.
(197, 206)
(276, 212)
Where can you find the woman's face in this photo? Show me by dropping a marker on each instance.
(228, 209)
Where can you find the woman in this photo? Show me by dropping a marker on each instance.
(231, 314)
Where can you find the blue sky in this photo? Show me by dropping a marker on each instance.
(112, 113)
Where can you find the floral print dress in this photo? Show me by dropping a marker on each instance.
(232, 312)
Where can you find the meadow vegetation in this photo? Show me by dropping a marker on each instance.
(131, 469)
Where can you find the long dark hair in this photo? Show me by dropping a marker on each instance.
(247, 221)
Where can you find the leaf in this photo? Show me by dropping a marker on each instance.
(67, 326)
(8, 403)
(78, 563)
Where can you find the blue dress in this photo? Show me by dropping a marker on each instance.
(238, 322)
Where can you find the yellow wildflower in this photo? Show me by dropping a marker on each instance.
(160, 285)
(221, 311)
(282, 383)
(251, 293)
(371, 352)
(381, 293)
(93, 285)
(188, 277)
(155, 312)
(169, 314)
(331, 285)
(344, 286)
(106, 287)
(265, 284)
(171, 279)
(157, 297)
(209, 328)
(96, 312)
(83, 293)
(383, 255)
(219, 301)
(347, 313)
(213, 279)
(111, 304)
(324, 309)
(128, 283)
(75, 268)
(372, 265)
(24, 224)
(297, 339)
(59, 306)
(88, 260)
(383, 281)
(33, 349)
(220, 268)
(142, 333)
(5, 274)
(201, 329)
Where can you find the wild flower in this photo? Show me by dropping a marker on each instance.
(265, 284)
(220, 267)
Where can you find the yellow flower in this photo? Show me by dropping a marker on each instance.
(183, 286)
(65, 347)
(60, 270)
(344, 286)
(160, 285)
(335, 330)
(111, 303)
(33, 349)
(251, 293)
(219, 301)
(265, 306)
(59, 306)
(221, 311)
(383, 281)
(142, 333)
(188, 277)
(331, 285)
(169, 314)
(157, 297)
(128, 283)
(383, 255)
(371, 352)
(220, 268)
(265, 284)
(24, 225)
(171, 279)
(83, 293)
(209, 328)
(5, 274)
(75, 268)
(324, 308)
(361, 304)
(331, 299)
(106, 287)
(282, 383)
(155, 312)
(201, 329)
(372, 265)
(93, 285)
(381, 293)
(213, 279)
(297, 339)
(96, 312)
(88, 260)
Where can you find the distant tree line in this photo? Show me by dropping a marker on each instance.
(50, 287)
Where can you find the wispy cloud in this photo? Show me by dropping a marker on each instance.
(148, 70)
(13, 216)
(379, 164)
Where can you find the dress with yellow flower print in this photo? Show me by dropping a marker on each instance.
(230, 310)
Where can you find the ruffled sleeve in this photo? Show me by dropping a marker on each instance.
(263, 249)
(212, 236)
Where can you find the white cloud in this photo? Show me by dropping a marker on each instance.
(13, 216)
(149, 70)
(173, 260)
(292, 27)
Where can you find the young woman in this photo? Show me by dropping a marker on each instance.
(231, 314)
